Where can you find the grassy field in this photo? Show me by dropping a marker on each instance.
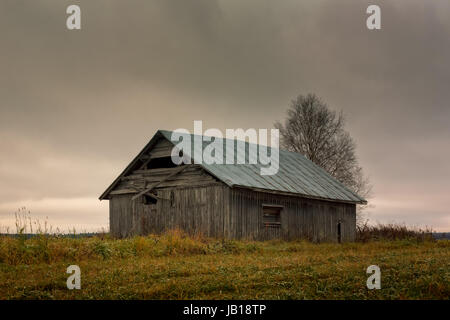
(174, 266)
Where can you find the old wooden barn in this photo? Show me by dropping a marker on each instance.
(233, 201)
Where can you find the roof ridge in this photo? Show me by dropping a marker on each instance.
(224, 138)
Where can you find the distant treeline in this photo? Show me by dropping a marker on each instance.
(66, 235)
(441, 235)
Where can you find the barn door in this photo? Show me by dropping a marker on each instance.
(339, 232)
(148, 215)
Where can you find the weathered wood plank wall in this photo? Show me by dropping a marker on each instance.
(316, 220)
(196, 210)
(219, 211)
(194, 175)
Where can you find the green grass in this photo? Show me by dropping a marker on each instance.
(174, 266)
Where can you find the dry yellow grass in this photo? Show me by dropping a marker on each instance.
(174, 266)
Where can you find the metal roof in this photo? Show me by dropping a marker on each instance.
(296, 174)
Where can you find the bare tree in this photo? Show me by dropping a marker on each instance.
(318, 133)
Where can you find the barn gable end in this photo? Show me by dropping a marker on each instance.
(153, 164)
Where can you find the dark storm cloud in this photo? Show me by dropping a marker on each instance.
(77, 105)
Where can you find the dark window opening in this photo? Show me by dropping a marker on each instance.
(339, 232)
(163, 162)
(148, 200)
(272, 216)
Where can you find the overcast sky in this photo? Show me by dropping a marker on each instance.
(77, 106)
